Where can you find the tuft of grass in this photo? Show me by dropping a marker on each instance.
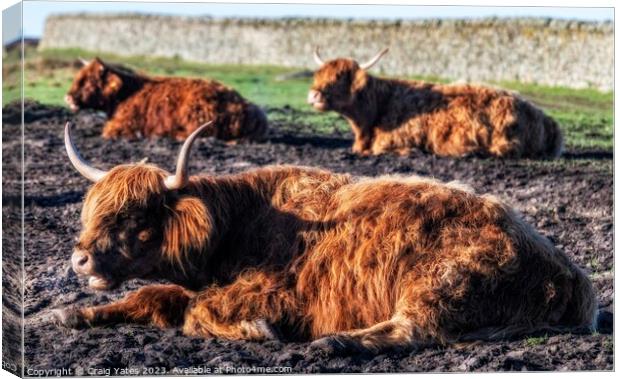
(594, 264)
(608, 344)
(585, 115)
(536, 341)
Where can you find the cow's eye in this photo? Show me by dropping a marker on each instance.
(145, 235)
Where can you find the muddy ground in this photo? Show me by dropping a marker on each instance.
(569, 200)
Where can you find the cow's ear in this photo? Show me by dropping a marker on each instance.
(187, 228)
(113, 84)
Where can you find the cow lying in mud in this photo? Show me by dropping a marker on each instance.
(305, 254)
(389, 115)
(138, 105)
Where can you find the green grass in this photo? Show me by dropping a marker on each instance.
(608, 344)
(586, 115)
(536, 341)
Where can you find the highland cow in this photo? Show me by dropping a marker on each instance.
(305, 254)
(389, 115)
(138, 105)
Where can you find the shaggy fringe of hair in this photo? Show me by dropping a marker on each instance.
(187, 229)
(123, 185)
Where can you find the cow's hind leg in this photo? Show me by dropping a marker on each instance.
(159, 305)
(206, 326)
(394, 334)
(246, 309)
(210, 315)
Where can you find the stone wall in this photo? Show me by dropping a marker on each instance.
(567, 53)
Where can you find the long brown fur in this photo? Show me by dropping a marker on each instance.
(389, 115)
(142, 106)
(301, 253)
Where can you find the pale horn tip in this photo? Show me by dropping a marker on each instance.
(317, 56)
(181, 176)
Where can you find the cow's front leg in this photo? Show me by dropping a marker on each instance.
(362, 145)
(362, 139)
(159, 305)
(114, 129)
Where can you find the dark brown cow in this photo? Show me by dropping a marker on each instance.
(138, 105)
(355, 263)
(389, 115)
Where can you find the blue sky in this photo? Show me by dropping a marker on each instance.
(35, 12)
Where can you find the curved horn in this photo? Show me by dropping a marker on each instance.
(83, 61)
(317, 57)
(181, 177)
(374, 60)
(89, 172)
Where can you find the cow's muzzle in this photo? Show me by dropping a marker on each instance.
(315, 98)
(83, 265)
(71, 103)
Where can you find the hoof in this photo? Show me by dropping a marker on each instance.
(337, 346)
(70, 317)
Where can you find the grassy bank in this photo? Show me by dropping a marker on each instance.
(586, 115)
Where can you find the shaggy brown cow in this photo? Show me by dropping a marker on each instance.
(138, 105)
(448, 120)
(308, 254)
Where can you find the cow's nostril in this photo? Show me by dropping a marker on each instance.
(81, 261)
